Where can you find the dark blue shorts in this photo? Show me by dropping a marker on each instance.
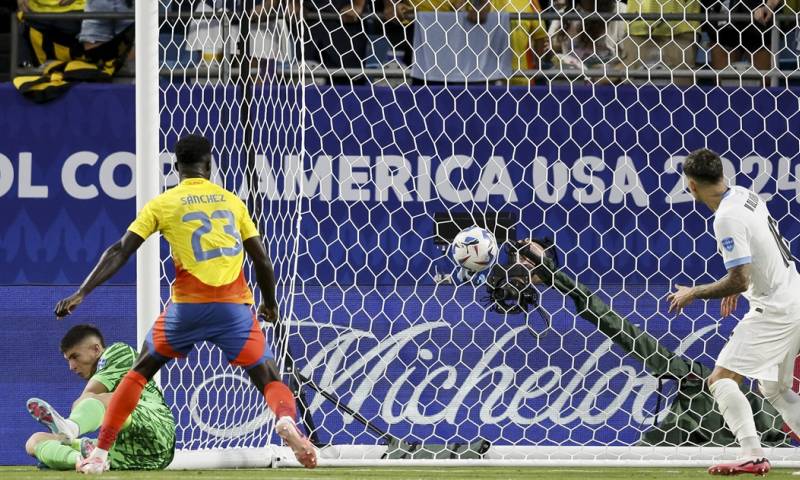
(230, 326)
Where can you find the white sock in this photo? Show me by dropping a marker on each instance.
(99, 453)
(751, 447)
(785, 401)
(738, 415)
(74, 429)
(287, 418)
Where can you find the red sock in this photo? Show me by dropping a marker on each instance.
(124, 400)
(280, 400)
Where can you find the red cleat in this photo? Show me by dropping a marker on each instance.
(756, 466)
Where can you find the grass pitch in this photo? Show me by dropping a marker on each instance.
(392, 473)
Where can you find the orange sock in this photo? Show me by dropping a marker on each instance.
(280, 400)
(124, 400)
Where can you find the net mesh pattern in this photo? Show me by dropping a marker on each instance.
(354, 130)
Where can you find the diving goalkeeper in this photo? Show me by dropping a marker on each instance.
(691, 419)
(147, 441)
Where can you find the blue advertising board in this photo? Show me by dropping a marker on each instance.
(598, 169)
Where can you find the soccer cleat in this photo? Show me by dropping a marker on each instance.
(92, 466)
(756, 466)
(45, 414)
(302, 448)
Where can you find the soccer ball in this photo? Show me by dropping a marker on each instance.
(475, 249)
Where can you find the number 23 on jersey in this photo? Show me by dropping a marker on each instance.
(206, 226)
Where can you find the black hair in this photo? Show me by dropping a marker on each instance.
(192, 149)
(79, 333)
(703, 165)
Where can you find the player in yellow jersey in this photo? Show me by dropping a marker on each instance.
(208, 229)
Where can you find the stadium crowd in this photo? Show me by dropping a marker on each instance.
(90, 32)
(352, 40)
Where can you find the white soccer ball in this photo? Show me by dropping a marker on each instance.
(475, 249)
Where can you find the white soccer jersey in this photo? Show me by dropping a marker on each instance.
(746, 233)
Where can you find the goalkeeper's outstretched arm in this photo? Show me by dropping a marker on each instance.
(112, 260)
(657, 359)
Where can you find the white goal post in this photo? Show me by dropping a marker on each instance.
(357, 167)
(148, 176)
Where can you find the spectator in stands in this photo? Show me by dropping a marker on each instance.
(732, 42)
(528, 38)
(590, 43)
(214, 37)
(338, 43)
(661, 43)
(95, 32)
(791, 32)
(66, 60)
(398, 26)
(68, 29)
(399, 20)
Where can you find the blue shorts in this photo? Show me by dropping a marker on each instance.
(232, 327)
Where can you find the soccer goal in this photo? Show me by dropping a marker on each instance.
(359, 176)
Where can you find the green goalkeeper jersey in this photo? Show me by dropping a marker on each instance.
(148, 441)
(114, 363)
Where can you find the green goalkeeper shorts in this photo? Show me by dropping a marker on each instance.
(148, 443)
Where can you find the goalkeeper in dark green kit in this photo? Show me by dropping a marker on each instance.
(691, 418)
(147, 441)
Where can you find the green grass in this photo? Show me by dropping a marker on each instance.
(393, 473)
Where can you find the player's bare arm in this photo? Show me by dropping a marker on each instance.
(735, 282)
(265, 277)
(112, 260)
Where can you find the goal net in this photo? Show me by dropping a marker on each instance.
(364, 135)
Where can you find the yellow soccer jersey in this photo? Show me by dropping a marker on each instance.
(56, 6)
(523, 35)
(205, 226)
(434, 5)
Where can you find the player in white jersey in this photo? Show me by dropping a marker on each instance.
(766, 341)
